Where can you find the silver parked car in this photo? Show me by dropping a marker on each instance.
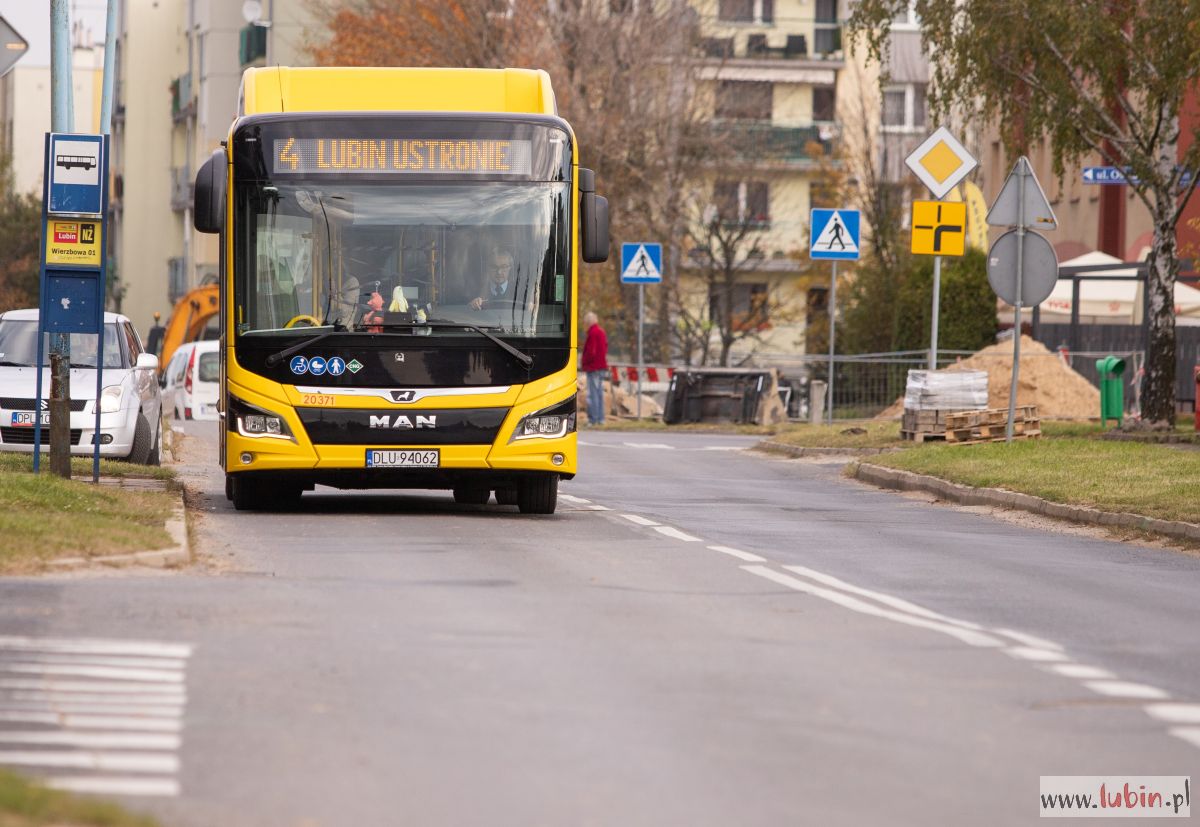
(130, 405)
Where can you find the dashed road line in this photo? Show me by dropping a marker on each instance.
(1126, 689)
(676, 534)
(1039, 655)
(637, 519)
(1029, 640)
(1082, 671)
(1175, 713)
(572, 499)
(738, 553)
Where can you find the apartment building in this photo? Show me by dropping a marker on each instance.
(772, 70)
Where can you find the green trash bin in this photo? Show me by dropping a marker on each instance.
(1112, 392)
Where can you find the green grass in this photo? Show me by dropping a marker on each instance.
(81, 467)
(1152, 480)
(613, 424)
(43, 517)
(879, 434)
(25, 804)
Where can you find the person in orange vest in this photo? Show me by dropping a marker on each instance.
(595, 365)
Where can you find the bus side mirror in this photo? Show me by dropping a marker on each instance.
(208, 212)
(593, 219)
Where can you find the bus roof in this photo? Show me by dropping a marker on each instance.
(362, 89)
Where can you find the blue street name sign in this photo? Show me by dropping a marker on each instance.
(74, 170)
(641, 263)
(834, 235)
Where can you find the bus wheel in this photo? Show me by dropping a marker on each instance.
(506, 496)
(229, 487)
(538, 495)
(472, 496)
(247, 495)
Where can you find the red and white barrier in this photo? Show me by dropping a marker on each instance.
(654, 377)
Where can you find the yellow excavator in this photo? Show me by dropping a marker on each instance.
(188, 321)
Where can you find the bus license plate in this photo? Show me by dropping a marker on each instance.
(24, 419)
(389, 458)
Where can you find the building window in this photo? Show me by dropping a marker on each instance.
(907, 19)
(750, 306)
(904, 108)
(823, 103)
(827, 34)
(744, 101)
(746, 11)
(743, 201)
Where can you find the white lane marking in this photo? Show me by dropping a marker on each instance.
(102, 785)
(92, 740)
(638, 519)
(55, 685)
(91, 646)
(723, 448)
(55, 697)
(93, 660)
(571, 499)
(170, 710)
(1175, 713)
(1029, 640)
(106, 761)
(658, 446)
(597, 508)
(94, 721)
(1082, 671)
(1126, 689)
(967, 636)
(887, 599)
(108, 672)
(1030, 653)
(676, 534)
(1191, 734)
(739, 554)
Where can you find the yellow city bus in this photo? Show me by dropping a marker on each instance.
(399, 273)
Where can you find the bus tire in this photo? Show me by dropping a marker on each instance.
(538, 495)
(246, 493)
(229, 487)
(472, 496)
(506, 496)
(139, 454)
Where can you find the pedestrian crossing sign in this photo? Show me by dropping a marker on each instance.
(834, 234)
(641, 263)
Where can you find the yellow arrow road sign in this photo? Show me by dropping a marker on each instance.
(938, 228)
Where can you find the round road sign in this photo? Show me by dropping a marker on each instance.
(1039, 273)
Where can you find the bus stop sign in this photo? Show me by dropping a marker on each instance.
(76, 186)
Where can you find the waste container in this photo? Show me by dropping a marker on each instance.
(1112, 392)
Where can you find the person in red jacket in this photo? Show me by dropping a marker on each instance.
(595, 365)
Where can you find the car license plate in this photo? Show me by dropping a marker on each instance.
(392, 458)
(24, 419)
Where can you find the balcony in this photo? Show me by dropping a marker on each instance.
(182, 104)
(770, 145)
(181, 189)
(252, 44)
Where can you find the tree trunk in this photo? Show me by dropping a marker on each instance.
(1158, 385)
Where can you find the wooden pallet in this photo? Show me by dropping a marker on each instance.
(991, 425)
(922, 436)
(920, 425)
(990, 416)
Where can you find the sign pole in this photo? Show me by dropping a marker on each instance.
(103, 224)
(1016, 369)
(60, 347)
(832, 326)
(641, 307)
(937, 300)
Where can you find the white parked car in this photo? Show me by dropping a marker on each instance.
(130, 405)
(192, 381)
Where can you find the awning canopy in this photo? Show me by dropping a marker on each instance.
(1111, 301)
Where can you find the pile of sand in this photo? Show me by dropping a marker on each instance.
(1045, 380)
(617, 402)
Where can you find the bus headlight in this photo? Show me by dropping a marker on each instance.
(549, 423)
(256, 423)
(110, 399)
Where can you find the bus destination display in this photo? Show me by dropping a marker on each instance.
(422, 156)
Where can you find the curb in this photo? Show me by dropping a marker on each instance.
(998, 497)
(178, 555)
(801, 451)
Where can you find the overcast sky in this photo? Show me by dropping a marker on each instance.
(32, 22)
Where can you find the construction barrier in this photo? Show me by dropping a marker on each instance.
(655, 378)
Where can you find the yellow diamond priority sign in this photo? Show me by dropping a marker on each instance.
(938, 228)
(941, 162)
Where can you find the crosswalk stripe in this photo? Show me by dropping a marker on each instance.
(93, 760)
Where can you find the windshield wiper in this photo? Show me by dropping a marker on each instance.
(524, 358)
(275, 358)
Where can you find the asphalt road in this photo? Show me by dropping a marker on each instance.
(701, 635)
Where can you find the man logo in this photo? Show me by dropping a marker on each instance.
(402, 421)
(399, 357)
(403, 396)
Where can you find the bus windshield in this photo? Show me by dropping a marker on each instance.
(380, 256)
